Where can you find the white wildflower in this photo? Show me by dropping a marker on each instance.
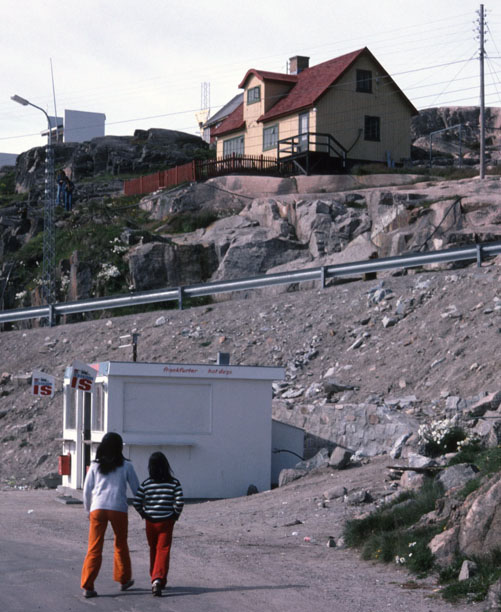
(108, 271)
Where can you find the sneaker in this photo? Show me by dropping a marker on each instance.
(127, 585)
(89, 593)
(156, 588)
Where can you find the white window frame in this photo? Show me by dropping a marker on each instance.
(234, 145)
(270, 134)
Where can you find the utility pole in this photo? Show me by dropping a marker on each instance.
(49, 234)
(482, 93)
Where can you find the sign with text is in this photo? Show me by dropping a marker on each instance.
(43, 385)
(82, 376)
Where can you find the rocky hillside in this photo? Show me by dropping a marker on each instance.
(366, 362)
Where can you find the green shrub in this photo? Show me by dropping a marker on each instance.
(8, 183)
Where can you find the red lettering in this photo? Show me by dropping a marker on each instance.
(45, 390)
(74, 382)
(84, 384)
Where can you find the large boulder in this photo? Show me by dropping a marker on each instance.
(167, 264)
(480, 526)
(269, 214)
(456, 476)
(254, 251)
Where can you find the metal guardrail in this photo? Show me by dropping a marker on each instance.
(473, 252)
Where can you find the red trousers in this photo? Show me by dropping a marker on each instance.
(159, 536)
(122, 571)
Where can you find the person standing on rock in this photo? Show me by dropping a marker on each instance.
(159, 500)
(61, 185)
(105, 500)
(69, 188)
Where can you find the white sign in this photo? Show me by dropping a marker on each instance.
(82, 376)
(42, 384)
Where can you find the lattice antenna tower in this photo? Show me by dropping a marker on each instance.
(204, 112)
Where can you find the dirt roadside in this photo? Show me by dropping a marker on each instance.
(246, 553)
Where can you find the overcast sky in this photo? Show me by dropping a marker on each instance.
(142, 63)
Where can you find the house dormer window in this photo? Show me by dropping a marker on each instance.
(254, 95)
(364, 81)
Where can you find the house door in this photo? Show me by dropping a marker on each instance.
(304, 128)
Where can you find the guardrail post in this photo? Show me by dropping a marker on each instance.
(52, 315)
(180, 293)
(323, 269)
(479, 255)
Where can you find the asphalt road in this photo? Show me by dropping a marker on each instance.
(227, 556)
(43, 542)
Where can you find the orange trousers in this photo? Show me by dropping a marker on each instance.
(159, 536)
(122, 571)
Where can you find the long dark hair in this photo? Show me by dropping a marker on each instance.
(159, 468)
(109, 453)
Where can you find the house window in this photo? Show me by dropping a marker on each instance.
(233, 146)
(253, 95)
(270, 137)
(364, 81)
(98, 408)
(372, 128)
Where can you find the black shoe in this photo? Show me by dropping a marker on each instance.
(89, 593)
(156, 588)
(127, 585)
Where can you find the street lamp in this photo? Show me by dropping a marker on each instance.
(49, 236)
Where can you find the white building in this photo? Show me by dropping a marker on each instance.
(8, 159)
(77, 126)
(213, 422)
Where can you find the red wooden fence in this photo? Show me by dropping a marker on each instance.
(200, 170)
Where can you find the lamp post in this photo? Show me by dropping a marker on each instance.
(49, 236)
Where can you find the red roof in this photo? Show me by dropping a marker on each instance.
(233, 122)
(269, 76)
(311, 84)
(307, 87)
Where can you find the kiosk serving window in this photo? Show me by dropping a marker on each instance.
(97, 423)
(70, 413)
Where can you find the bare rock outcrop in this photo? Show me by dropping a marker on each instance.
(480, 525)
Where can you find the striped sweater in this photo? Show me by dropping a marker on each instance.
(158, 501)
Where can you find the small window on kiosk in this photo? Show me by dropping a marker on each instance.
(98, 408)
(70, 413)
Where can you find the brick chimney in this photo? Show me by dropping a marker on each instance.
(298, 63)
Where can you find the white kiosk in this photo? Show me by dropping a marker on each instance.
(213, 422)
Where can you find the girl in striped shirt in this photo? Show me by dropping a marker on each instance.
(159, 500)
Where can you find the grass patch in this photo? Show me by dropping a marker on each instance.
(387, 534)
(475, 588)
(390, 534)
(182, 223)
(488, 460)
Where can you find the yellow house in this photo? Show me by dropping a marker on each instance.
(346, 110)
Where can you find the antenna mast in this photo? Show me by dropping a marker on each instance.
(54, 98)
(204, 112)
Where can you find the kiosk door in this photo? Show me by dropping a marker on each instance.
(86, 433)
